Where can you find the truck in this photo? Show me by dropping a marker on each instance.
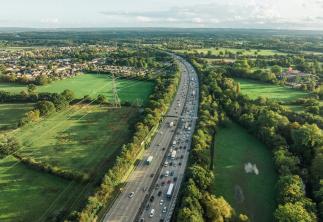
(149, 160)
(173, 155)
(170, 190)
(171, 124)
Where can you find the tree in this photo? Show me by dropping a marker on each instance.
(101, 99)
(276, 69)
(217, 209)
(202, 177)
(291, 189)
(189, 215)
(292, 212)
(45, 107)
(8, 145)
(285, 162)
(42, 80)
(68, 95)
(31, 88)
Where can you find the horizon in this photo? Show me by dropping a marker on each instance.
(232, 14)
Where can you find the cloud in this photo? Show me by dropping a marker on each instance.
(49, 21)
(233, 14)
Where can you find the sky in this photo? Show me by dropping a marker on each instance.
(276, 14)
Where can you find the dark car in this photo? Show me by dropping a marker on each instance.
(152, 198)
(169, 181)
(147, 206)
(152, 175)
(172, 173)
(163, 148)
(179, 164)
(159, 193)
(175, 178)
(161, 176)
(171, 164)
(182, 156)
(163, 183)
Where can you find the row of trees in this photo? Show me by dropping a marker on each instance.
(297, 148)
(196, 202)
(165, 89)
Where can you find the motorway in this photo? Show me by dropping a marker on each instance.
(145, 177)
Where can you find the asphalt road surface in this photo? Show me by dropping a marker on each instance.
(143, 180)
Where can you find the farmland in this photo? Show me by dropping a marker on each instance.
(79, 138)
(92, 85)
(10, 113)
(26, 194)
(215, 51)
(249, 193)
(255, 89)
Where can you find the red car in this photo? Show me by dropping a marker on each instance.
(169, 181)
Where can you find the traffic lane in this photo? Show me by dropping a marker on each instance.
(136, 180)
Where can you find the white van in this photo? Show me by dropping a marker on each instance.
(152, 213)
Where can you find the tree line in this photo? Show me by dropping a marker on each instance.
(296, 147)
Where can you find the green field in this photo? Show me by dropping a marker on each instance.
(249, 193)
(214, 51)
(79, 138)
(254, 89)
(28, 195)
(93, 84)
(11, 113)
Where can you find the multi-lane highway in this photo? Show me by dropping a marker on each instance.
(144, 197)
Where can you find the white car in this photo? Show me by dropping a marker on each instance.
(164, 209)
(152, 213)
(161, 202)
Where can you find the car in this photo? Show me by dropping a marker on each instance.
(172, 173)
(163, 183)
(179, 164)
(171, 164)
(161, 176)
(158, 144)
(169, 181)
(141, 220)
(164, 209)
(175, 178)
(152, 213)
(159, 193)
(161, 202)
(147, 206)
(182, 156)
(152, 175)
(166, 164)
(164, 148)
(174, 165)
(130, 195)
(157, 186)
(152, 198)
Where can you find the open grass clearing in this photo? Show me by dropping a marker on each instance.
(28, 195)
(214, 51)
(78, 139)
(254, 89)
(248, 193)
(11, 113)
(93, 85)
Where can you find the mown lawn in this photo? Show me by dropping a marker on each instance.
(79, 138)
(29, 195)
(93, 85)
(254, 89)
(11, 113)
(249, 193)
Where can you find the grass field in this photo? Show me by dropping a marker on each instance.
(77, 139)
(251, 194)
(27, 195)
(234, 50)
(11, 113)
(93, 84)
(255, 89)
